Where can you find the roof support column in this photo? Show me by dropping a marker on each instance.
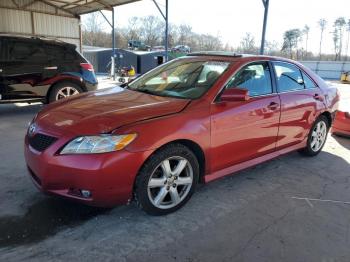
(166, 18)
(113, 47)
(166, 30)
(113, 57)
(266, 7)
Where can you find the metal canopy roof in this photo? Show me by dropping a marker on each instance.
(79, 7)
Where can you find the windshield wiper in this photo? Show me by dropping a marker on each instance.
(146, 91)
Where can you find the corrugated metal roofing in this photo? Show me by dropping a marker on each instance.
(79, 7)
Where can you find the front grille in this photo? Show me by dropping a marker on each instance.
(40, 142)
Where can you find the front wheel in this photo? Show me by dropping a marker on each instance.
(167, 180)
(317, 137)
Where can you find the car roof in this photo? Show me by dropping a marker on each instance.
(40, 38)
(231, 56)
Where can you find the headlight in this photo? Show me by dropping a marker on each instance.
(97, 144)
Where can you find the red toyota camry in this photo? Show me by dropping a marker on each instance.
(192, 120)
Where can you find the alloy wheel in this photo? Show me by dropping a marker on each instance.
(66, 92)
(170, 182)
(318, 136)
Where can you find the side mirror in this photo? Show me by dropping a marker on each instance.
(235, 94)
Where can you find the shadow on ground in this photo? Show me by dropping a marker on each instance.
(343, 140)
(43, 219)
(13, 110)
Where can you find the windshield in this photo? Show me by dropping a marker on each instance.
(181, 78)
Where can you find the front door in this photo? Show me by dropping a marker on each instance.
(241, 131)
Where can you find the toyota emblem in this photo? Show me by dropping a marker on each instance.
(31, 129)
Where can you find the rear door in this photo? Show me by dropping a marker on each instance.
(301, 101)
(23, 69)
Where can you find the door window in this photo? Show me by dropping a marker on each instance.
(288, 77)
(2, 56)
(255, 77)
(26, 51)
(59, 53)
(308, 82)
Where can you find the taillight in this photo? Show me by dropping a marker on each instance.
(87, 66)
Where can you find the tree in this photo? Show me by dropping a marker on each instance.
(291, 39)
(347, 40)
(272, 48)
(322, 23)
(248, 44)
(339, 25)
(93, 27)
(306, 31)
(132, 31)
(185, 33)
(152, 29)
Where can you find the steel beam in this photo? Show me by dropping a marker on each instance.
(166, 18)
(113, 46)
(266, 7)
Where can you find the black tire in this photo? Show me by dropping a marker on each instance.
(308, 150)
(149, 169)
(54, 93)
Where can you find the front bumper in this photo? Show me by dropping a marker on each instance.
(109, 177)
(338, 131)
(341, 124)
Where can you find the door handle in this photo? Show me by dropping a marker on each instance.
(273, 106)
(50, 68)
(318, 97)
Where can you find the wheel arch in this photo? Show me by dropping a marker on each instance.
(193, 146)
(328, 115)
(64, 80)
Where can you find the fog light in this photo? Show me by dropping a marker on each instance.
(85, 193)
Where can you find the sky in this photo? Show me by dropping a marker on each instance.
(232, 19)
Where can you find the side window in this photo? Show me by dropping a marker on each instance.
(288, 77)
(309, 84)
(57, 53)
(2, 51)
(19, 51)
(255, 77)
(26, 51)
(54, 53)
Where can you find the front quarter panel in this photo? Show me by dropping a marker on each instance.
(191, 124)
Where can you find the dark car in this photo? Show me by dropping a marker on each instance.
(37, 69)
(138, 45)
(194, 119)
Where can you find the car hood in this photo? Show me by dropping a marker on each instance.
(105, 110)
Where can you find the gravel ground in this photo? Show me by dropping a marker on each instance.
(292, 208)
